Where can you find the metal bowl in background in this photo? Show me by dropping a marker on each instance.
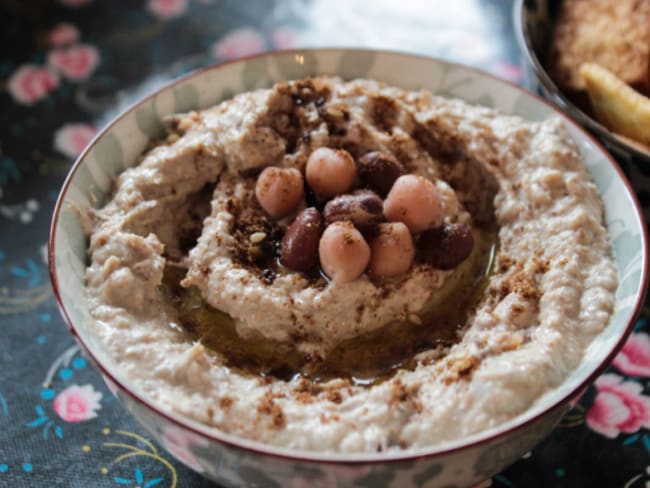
(534, 22)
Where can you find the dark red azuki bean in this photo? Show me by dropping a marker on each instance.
(363, 208)
(379, 171)
(447, 246)
(299, 248)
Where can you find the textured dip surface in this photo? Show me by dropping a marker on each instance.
(181, 211)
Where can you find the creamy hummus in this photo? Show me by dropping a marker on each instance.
(493, 334)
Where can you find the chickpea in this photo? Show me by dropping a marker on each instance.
(415, 201)
(330, 172)
(344, 253)
(279, 190)
(392, 251)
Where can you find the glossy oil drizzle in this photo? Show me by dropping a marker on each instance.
(364, 360)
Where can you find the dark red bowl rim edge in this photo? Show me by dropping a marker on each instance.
(309, 456)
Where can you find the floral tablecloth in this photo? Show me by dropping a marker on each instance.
(65, 68)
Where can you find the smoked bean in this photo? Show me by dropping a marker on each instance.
(299, 248)
(379, 171)
(363, 208)
(447, 246)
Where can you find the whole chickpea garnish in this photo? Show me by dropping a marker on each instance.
(343, 252)
(330, 172)
(279, 190)
(415, 201)
(392, 250)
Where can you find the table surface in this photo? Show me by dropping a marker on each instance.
(65, 68)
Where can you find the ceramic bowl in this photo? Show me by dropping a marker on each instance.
(234, 461)
(534, 22)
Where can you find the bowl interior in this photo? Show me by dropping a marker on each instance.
(120, 143)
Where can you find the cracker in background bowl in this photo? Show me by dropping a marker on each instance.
(613, 33)
(617, 105)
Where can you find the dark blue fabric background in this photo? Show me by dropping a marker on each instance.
(116, 50)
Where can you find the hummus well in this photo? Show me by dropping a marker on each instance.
(212, 327)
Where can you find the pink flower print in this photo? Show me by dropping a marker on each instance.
(71, 139)
(179, 442)
(283, 38)
(619, 407)
(77, 403)
(75, 3)
(167, 9)
(31, 83)
(62, 34)
(238, 43)
(76, 62)
(634, 358)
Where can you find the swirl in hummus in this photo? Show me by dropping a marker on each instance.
(191, 300)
